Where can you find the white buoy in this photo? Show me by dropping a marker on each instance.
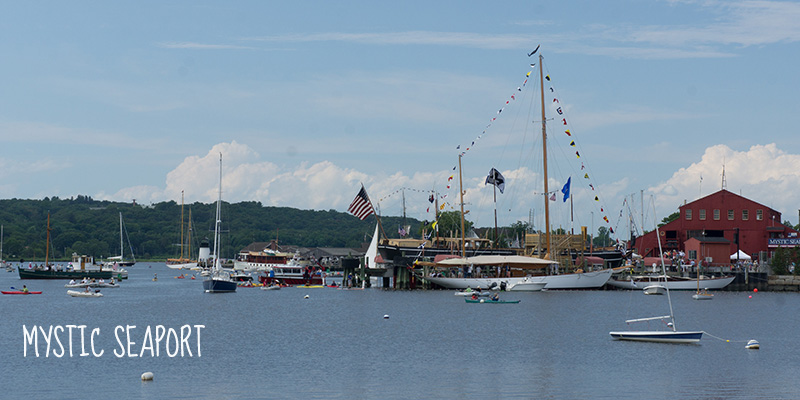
(147, 376)
(385, 316)
(752, 345)
(305, 297)
(481, 300)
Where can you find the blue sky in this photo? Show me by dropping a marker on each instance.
(306, 100)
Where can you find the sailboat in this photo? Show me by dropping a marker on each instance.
(120, 259)
(705, 294)
(511, 271)
(219, 280)
(184, 262)
(668, 336)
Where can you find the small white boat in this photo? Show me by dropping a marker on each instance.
(526, 285)
(704, 295)
(655, 289)
(81, 293)
(271, 287)
(471, 292)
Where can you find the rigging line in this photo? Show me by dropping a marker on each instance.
(725, 340)
(556, 95)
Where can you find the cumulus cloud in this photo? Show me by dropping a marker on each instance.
(764, 173)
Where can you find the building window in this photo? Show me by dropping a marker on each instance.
(692, 254)
(731, 215)
(745, 215)
(759, 215)
(702, 215)
(688, 214)
(716, 215)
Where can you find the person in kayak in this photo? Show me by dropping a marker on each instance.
(24, 289)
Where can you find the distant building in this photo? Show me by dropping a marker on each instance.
(718, 225)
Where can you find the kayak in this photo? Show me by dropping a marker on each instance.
(271, 287)
(485, 301)
(18, 292)
(80, 293)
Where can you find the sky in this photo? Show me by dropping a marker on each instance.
(308, 100)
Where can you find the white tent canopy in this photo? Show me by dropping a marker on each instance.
(740, 255)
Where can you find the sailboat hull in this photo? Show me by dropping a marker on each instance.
(219, 286)
(637, 283)
(585, 280)
(659, 336)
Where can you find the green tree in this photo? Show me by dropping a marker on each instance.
(780, 261)
(603, 237)
(669, 218)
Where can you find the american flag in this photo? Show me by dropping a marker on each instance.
(361, 207)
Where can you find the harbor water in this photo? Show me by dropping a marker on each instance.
(323, 343)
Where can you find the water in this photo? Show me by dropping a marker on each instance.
(337, 345)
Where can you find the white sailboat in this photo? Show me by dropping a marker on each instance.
(673, 335)
(120, 259)
(521, 272)
(219, 280)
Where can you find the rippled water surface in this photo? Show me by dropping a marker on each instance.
(337, 344)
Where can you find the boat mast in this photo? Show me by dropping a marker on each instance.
(47, 249)
(121, 248)
(461, 194)
(182, 242)
(219, 219)
(544, 152)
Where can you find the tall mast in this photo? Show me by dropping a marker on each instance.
(182, 242)
(121, 248)
(544, 152)
(47, 250)
(219, 217)
(461, 196)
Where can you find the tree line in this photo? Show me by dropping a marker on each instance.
(91, 227)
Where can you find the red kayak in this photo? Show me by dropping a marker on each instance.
(18, 292)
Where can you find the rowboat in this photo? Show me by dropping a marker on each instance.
(79, 293)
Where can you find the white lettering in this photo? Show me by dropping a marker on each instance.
(30, 337)
(128, 333)
(198, 337)
(170, 334)
(121, 347)
(47, 336)
(147, 342)
(159, 337)
(83, 341)
(61, 328)
(97, 332)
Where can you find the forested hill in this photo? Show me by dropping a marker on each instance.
(86, 226)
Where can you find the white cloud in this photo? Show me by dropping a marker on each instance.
(764, 173)
(744, 23)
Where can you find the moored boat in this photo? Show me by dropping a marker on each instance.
(638, 282)
(82, 293)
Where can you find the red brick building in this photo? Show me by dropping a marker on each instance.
(716, 222)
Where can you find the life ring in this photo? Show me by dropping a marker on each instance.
(661, 233)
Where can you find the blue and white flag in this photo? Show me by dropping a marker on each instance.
(565, 189)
